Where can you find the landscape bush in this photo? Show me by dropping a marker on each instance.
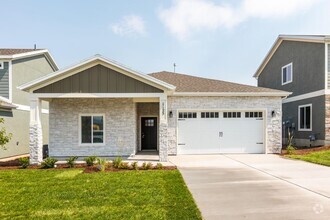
(71, 161)
(90, 160)
(48, 163)
(24, 162)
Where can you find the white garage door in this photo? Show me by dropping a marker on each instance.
(220, 132)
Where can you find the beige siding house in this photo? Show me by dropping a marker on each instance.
(103, 108)
(20, 66)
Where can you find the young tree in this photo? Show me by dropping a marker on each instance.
(4, 137)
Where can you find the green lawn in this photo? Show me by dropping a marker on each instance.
(70, 194)
(319, 157)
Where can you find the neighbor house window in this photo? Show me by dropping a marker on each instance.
(92, 129)
(305, 117)
(287, 74)
(2, 65)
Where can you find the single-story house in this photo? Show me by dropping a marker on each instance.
(103, 108)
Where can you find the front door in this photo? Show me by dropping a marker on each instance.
(149, 133)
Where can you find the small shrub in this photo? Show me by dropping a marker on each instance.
(71, 161)
(146, 166)
(135, 165)
(109, 164)
(124, 165)
(24, 162)
(90, 160)
(48, 163)
(290, 150)
(159, 166)
(116, 163)
(102, 163)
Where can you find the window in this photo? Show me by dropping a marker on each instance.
(231, 114)
(210, 115)
(2, 66)
(187, 115)
(305, 117)
(149, 123)
(92, 129)
(287, 74)
(253, 114)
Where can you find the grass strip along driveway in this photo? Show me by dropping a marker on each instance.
(71, 194)
(318, 157)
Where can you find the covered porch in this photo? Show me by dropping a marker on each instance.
(100, 126)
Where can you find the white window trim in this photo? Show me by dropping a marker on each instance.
(311, 118)
(79, 130)
(290, 64)
(2, 65)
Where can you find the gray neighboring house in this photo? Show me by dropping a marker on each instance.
(103, 108)
(300, 64)
(18, 66)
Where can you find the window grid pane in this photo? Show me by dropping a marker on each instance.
(86, 134)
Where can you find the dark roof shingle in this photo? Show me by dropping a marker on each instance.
(12, 51)
(186, 83)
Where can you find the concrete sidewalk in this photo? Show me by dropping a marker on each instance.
(256, 187)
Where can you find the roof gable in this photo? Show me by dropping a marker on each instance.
(98, 79)
(89, 63)
(281, 38)
(14, 54)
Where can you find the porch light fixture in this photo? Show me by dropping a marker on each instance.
(171, 114)
(273, 113)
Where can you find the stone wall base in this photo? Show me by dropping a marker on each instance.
(35, 144)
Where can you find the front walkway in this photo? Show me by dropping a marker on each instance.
(256, 186)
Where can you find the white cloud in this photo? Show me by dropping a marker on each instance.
(129, 26)
(187, 16)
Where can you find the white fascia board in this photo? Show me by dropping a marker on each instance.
(247, 94)
(53, 76)
(280, 38)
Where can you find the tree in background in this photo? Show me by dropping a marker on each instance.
(4, 137)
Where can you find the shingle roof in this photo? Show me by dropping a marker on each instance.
(12, 51)
(186, 83)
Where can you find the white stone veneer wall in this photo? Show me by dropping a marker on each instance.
(273, 127)
(120, 127)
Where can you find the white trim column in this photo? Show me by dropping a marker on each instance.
(35, 131)
(163, 142)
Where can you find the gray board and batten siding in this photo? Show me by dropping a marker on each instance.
(4, 80)
(98, 79)
(307, 60)
(290, 112)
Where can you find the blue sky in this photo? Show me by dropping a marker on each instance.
(218, 39)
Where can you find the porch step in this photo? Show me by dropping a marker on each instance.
(144, 157)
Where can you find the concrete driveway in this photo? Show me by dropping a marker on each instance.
(256, 186)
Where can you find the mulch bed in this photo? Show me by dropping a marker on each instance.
(94, 169)
(14, 165)
(308, 150)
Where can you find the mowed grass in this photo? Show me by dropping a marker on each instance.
(319, 157)
(70, 194)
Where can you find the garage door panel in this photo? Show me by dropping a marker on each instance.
(197, 136)
(221, 135)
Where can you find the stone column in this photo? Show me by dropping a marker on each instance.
(35, 131)
(163, 129)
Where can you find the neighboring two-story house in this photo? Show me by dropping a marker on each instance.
(18, 66)
(300, 64)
